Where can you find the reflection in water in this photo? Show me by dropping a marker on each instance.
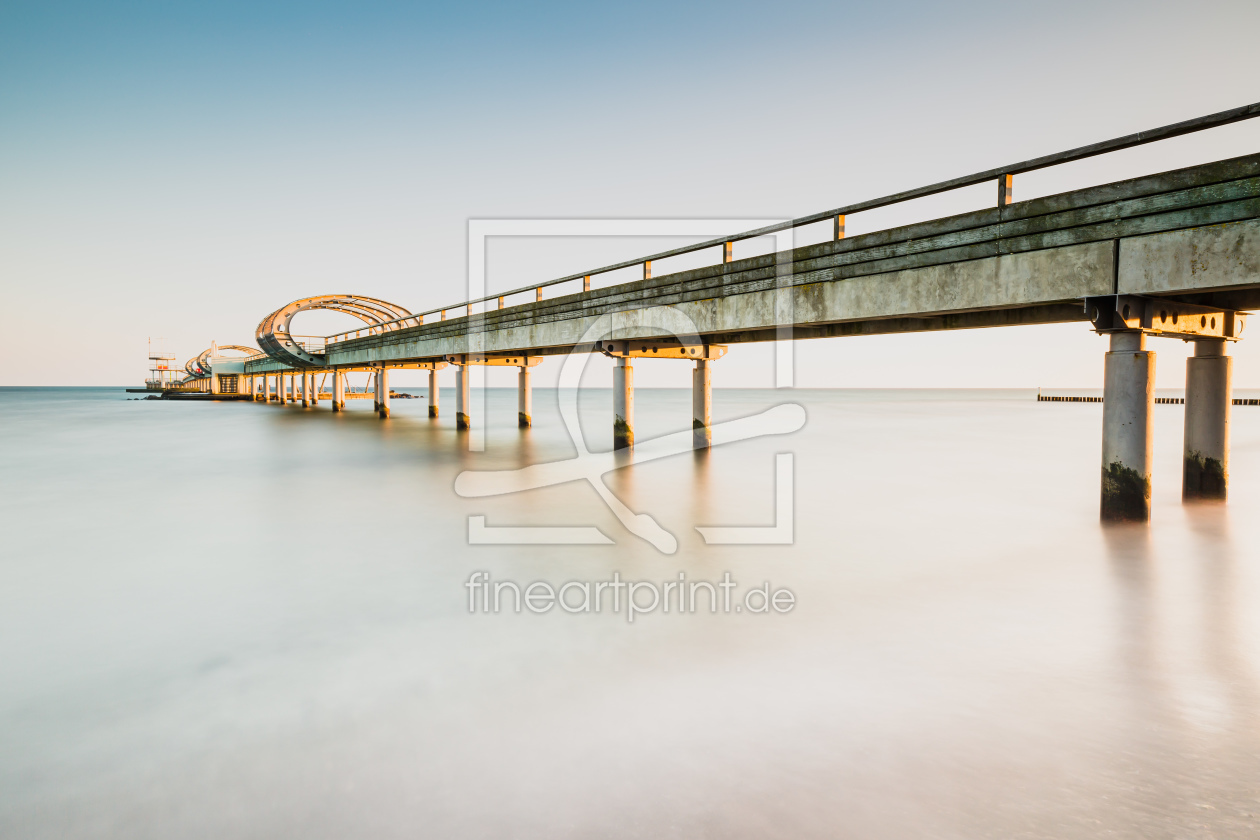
(266, 634)
(1191, 699)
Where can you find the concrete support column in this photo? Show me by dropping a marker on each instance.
(1209, 383)
(1128, 409)
(288, 388)
(701, 405)
(214, 383)
(623, 404)
(383, 377)
(524, 400)
(339, 391)
(314, 388)
(376, 391)
(305, 389)
(461, 397)
(433, 393)
(267, 386)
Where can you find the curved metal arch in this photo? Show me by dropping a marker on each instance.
(273, 334)
(203, 361)
(198, 367)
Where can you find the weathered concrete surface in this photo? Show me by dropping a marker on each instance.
(1128, 410)
(524, 400)
(1021, 280)
(1194, 231)
(1213, 258)
(623, 403)
(1209, 376)
(701, 405)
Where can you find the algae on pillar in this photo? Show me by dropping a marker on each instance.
(461, 397)
(1128, 409)
(339, 391)
(525, 400)
(623, 403)
(701, 405)
(1209, 374)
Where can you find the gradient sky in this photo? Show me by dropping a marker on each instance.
(180, 171)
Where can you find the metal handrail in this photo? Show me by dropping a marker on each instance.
(312, 341)
(1002, 174)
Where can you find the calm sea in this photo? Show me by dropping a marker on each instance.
(238, 620)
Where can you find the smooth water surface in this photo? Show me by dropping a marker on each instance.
(241, 620)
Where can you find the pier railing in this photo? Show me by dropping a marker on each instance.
(309, 343)
(1002, 175)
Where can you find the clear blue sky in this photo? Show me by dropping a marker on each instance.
(181, 170)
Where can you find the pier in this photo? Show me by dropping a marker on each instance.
(1168, 255)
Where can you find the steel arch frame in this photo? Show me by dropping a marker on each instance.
(275, 339)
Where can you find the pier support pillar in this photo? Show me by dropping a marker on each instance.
(433, 393)
(339, 391)
(376, 391)
(701, 405)
(461, 397)
(383, 378)
(288, 388)
(623, 403)
(524, 400)
(1209, 379)
(314, 388)
(306, 388)
(1128, 409)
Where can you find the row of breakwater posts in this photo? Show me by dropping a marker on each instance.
(1158, 400)
(1174, 255)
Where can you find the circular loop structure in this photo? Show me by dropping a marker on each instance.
(276, 341)
(198, 367)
